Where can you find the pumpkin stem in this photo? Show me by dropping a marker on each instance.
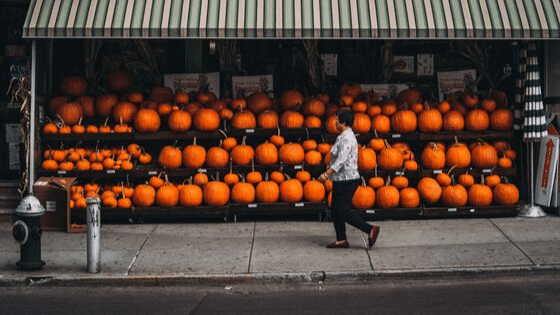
(278, 127)
(106, 121)
(194, 140)
(387, 143)
(388, 180)
(225, 126)
(451, 169)
(363, 181)
(482, 181)
(230, 165)
(307, 132)
(223, 133)
(252, 164)
(456, 140)
(375, 133)
(375, 171)
(243, 140)
(62, 123)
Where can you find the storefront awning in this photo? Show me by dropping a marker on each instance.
(322, 19)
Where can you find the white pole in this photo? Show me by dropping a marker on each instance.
(31, 162)
(93, 234)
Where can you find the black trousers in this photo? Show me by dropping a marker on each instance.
(341, 206)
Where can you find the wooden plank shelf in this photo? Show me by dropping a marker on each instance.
(277, 208)
(512, 171)
(395, 213)
(79, 215)
(465, 212)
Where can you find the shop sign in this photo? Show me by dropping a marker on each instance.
(246, 85)
(385, 91)
(15, 51)
(547, 171)
(455, 81)
(187, 82)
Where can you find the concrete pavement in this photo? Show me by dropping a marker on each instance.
(278, 251)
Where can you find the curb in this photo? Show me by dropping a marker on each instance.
(281, 278)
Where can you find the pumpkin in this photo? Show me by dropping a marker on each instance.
(501, 119)
(205, 97)
(291, 190)
(488, 104)
(309, 145)
(243, 193)
(229, 143)
(387, 197)
(373, 110)
(194, 155)
(312, 122)
(267, 119)
(206, 119)
(88, 105)
(410, 165)
(291, 119)
(119, 81)
(409, 198)
(477, 120)
(238, 104)
(403, 121)
(453, 120)
(124, 110)
(493, 180)
(55, 102)
(193, 107)
(291, 153)
(470, 99)
(429, 189)
(254, 177)
(359, 107)
(277, 176)
(454, 196)
(458, 155)
(167, 195)
(104, 104)
(484, 155)
(381, 124)
(312, 157)
(266, 154)
(314, 191)
(216, 193)
(505, 194)
(376, 181)
(444, 107)
(314, 107)
(179, 121)
(200, 179)
(291, 99)
(466, 180)
(330, 125)
(267, 191)
(433, 157)
(364, 197)
(244, 120)
(303, 176)
(277, 139)
(400, 182)
(505, 162)
(226, 114)
(258, 102)
(362, 123)
(144, 195)
(161, 94)
(231, 178)
(73, 85)
(242, 154)
(430, 120)
(390, 159)
(170, 157)
(49, 165)
(480, 195)
(147, 120)
(217, 157)
(410, 96)
(367, 158)
(70, 113)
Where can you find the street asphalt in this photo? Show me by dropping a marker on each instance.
(288, 251)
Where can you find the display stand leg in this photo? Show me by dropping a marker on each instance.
(531, 210)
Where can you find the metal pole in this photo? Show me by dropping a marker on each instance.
(93, 234)
(32, 108)
(531, 210)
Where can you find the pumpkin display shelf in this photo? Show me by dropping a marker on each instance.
(157, 213)
(279, 208)
(393, 213)
(442, 211)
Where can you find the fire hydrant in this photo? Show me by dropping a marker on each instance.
(27, 232)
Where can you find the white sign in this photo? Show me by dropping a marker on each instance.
(385, 91)
(403, 64)
(545, 181)
(330, 64)
(187, 82)
(454, 81)
(244, 86)
(425, 64)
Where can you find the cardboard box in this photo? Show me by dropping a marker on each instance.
(54, 195)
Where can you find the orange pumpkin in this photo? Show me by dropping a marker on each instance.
(243, 193)
(258, 102)
(144, 195)
(314, 107)
(501, 119)
(429, 189)
(364, 197)
(244, 120)
(362, 123)
(70, 113)
(291, 99)
(217, 157)
(387, 197)
(124, 111)
(409, 198)
(314, 191)
(179, 121)
(147, 120)
(477, 120)
(268, 119)
(266, 154)
(291, 119)
(216, 193)
(454, 196)
(291, 153)
(403, 121)
(206, 119)
(73, 85)
(291, 190)
(433, 157)
(430, 120)
(267, 191)
(242, 154)
(194, 155)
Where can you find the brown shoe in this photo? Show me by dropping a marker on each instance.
(339, 244)
(373, 235)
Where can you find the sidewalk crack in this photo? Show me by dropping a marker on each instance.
(252, 244)
(139, 250)
(513, 243)
(367, 250)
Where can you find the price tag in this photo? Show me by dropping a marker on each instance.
(61, 172)
(370, 211)
(472, 211)
(152, 172)
(438, 171)
(398, 173)
(252, 205)
(249, 130)
(451, 209)
(297, 167)
(110, 171)
(202, 170)
(299, 204)
(487, 170)
(396, 135)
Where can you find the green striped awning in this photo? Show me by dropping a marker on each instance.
(477, 19)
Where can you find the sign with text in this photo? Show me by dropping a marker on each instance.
(545, 181)
(187, 82)
(454, 81)
(384, 91)
(246, 85)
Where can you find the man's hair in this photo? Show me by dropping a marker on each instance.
(345, 117)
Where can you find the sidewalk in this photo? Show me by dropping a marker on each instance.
(278, 251)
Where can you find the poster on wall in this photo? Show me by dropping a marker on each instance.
(454, 81)
(187, 82)
(330, 64)
(246, 85)
(385, 91)
(403, 64)
(425, 65)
